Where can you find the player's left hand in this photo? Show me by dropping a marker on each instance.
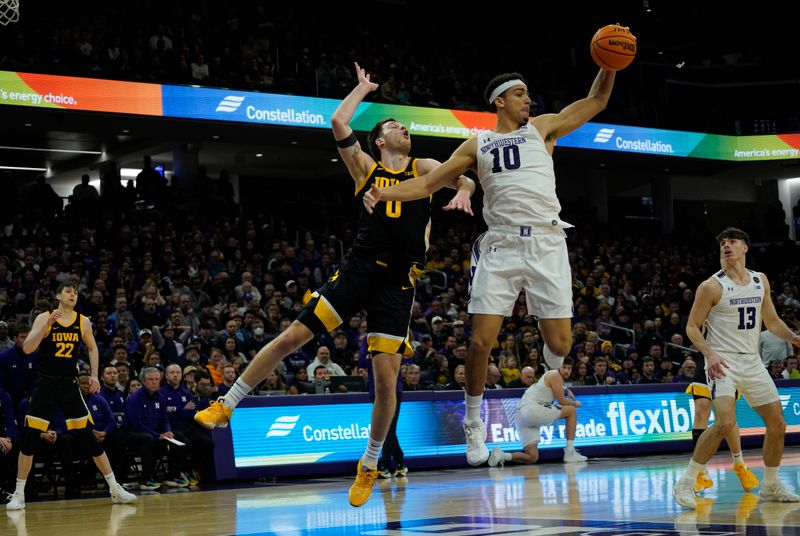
(461, 201)
(796, 340)
(94, 384)
(371, 198)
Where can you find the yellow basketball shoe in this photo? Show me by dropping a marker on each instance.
(703, 482)
(217, 415)
(746, 477)
(362, 487)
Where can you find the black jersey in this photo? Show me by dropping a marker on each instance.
(396, 231)
(60, 348)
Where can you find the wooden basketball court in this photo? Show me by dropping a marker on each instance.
(603, 496)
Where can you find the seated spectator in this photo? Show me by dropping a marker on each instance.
(146, 415)
(323, 359)
(274, 382)
(181, 408)
(600, 374)
(526, 379)
(790, 371)
(579, 373)
(132, 385)
(228, 379)
(493, 378)
(204, 392)
(459, 379)
(509, 368)
(775, 369)
(648, 374)
(300, 378)
(411, 378)
(8, 451)
(105, 430)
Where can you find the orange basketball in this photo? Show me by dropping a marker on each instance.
(613, 47)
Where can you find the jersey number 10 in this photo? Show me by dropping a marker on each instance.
(510, 158)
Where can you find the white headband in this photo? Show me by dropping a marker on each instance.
(504, 86)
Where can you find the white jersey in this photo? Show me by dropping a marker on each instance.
(539, 393)
(734, 324)
(518, 181)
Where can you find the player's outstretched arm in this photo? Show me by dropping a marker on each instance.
(463, 185)
(357, 161)
(461, 161)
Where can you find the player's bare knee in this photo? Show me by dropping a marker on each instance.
(777, 425)
(560, 346)
(568, 411)
(479, 349)
(723, 425)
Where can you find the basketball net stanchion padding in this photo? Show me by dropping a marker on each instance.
(9, 11)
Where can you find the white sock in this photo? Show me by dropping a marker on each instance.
(236, 394)
(111, 480)
(553, 361)
(21, 486)
(473, 407)
(692, 471)
(507, 456)
(770, 475)
(570, 444)
(370, 458)
(737, 457)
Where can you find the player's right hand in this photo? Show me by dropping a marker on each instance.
(363, 78)
(716, 365)
(55, 315)
(371, 198)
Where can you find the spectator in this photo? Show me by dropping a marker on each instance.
(772, 349)
(791, 372)
(648, 371)
(323, 359)
(146, 415)
(17, 372)
(493, 378)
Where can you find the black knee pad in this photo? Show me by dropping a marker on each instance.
(30, 440)
(89, 442)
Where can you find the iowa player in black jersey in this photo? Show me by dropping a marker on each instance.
(378, 276)
(58, 335)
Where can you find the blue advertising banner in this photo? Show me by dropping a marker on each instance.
(334, 432)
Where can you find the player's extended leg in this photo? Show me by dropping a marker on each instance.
(772, 489)
(707, 445)
(30, 440)
(218, 414)
(529, 455)
(557, 336)
(119, 495)
(385, 368)
(485, 329)
(571, 454)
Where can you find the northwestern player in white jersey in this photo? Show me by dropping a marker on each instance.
(733, 303)
(536, 409)
(525, 245)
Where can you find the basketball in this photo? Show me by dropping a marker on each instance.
(613, 47)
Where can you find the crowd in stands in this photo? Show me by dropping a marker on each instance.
(180, 305)
(282, 48)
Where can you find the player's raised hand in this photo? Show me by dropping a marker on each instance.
(371, 198)
(461, 201)
(55, 315)
(363, 78)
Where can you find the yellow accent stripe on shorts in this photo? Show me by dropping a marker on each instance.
(386, 344)
(699, 389)
(36, 423)
(327, 314)
(79, 423)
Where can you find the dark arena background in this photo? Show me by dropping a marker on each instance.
(175, 161)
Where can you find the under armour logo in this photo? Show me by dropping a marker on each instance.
(493, 249)
(730, 289)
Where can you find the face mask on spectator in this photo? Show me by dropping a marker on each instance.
(258, 332)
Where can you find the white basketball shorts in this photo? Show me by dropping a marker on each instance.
(506, 260)
(747, 374)
(532, 416)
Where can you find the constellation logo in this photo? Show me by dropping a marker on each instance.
(230, 104)
(785, 401)
(604, 135)
(283, 426)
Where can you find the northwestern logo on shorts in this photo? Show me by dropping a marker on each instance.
(604, 135)
(230, 104)
(283, 426)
